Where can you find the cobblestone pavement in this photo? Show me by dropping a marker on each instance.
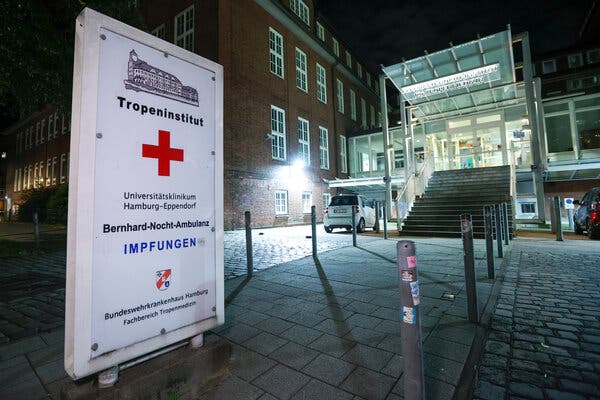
(273, 246)
(33, 287)
(544, 341)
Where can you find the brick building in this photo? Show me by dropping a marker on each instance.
(293, 94)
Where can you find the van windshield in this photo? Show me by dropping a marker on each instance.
(344, 201)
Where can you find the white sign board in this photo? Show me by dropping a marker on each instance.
(145, 235)
(569, 203)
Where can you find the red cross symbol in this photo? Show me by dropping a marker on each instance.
(163, 152)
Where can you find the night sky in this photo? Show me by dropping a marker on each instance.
(385, 31)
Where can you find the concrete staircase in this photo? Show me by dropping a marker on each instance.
(451, 193)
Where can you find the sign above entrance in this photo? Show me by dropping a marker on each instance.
(461, 80)
(145, 234)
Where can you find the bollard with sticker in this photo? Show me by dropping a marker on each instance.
(466, 229)
(489, 244)
(249, 256)
(410, 325)
(498, 229)
(313, 226)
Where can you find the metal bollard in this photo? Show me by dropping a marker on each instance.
(498, 229)
(385, 230)
(377, 217)
(249, 258)
(506, 226)
(489, 243)
(466, 230)
(502, 227)
(353, 227)
(36, 228)
(313, 223)
(410, 327)
(559, 233)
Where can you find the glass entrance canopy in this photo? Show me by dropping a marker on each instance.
(464, 79)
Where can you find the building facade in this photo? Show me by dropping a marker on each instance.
(293, 93)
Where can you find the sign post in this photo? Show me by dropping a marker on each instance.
(145, 233)
(569, 206)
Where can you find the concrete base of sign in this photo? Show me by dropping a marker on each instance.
(180, 373)
(197, 341)
(108, 378)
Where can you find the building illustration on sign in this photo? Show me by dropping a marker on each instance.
(145, 78)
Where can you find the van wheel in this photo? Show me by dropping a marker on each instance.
(361, 225)
(328, 229)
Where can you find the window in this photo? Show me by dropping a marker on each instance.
(41, 174)
(159, 31)
(336, 47)
(277, 133)
(63, 168)
(323, 148)
(303, 141)
(548, 66)
(527, 208)
(306, 202)
(276, 52)
(352, 105)
(320, 32)
(574, 84)
(348, 60)
(359, 70)
(368, 79)
(48, 172)
(54, 161)
(340, 96)
(326, 200)
(588, 128)
(281, 203)
(558, 133)
(343, 154)
(35, 175)
(42, 128)
(575, 60)
(593, 56)
(321, 84)
(363, 113)
(301, 70)
(372, 109)
(37, 133)
(184, 29)
(52, 125)
(65, 125)
(300, 8)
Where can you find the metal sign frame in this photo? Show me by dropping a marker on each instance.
(79, 361)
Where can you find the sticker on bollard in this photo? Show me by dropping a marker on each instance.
(414, 291)
(411, 261)
(408, 315)
(408, 275)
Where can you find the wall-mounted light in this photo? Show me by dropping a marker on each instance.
(269, 136)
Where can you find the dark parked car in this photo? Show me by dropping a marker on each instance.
(587, 216)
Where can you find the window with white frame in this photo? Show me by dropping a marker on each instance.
(340, 96)
(373, 122)
(593, 56)
(306, 202)
(343, 154)
(277, 133)
(281, 202)
(37, 134)
(326, 200)
(352, 105)
(548, 66)
(48, 172)
(336, 47)
(300, 8)
(159, 31)
(303, 141)
(363, 113)
(368, 79)
(184, 29)
(527, 208)
(63, 168)
(323, 148)
(321, 84)
(575, 60)
(42, 128)
(54, 162)
(276, 52)
(320, 32)
(35, 175)
(359, 70)
(301, 82)
(348, 60)
(41, 174)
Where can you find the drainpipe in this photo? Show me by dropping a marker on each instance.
(335, 132)
(386, 146)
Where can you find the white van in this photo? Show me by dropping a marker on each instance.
(339, 213)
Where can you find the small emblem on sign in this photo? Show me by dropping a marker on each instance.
(163, 279)
(409, 315)
(408, 275)
(411, 261)
(414, 291)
